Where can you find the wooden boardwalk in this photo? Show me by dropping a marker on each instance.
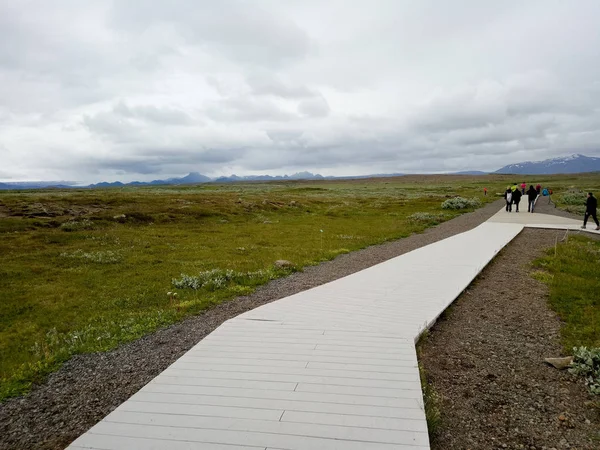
(330, 368)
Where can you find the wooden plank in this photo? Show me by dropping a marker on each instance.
(333, 368)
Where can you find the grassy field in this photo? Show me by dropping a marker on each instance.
(572, 273)
(85, 270)
(570, 191)
(572, 270)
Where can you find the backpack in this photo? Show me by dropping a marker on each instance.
(545, 192)
(509, 197)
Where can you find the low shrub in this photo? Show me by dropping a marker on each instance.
(425, 217)
(216, 279)
(586, 363)
(99, 257)
(578, 210)
(76, 225)
(575, 198)
(461, 203)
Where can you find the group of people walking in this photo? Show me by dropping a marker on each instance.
(513, 195)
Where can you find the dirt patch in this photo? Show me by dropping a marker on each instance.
(54, 210)
(49, 210)
(485, 359)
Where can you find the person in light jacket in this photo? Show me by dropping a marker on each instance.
(531, 196)
(508, 197)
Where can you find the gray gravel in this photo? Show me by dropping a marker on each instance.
(545, 205)
(485, 361)
(88, 387)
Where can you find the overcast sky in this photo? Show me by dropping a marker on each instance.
(137, 90)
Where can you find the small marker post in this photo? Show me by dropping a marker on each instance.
(321, 240)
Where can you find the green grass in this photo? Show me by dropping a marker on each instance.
(570, 191)
(87, 270)
(432, 403)
(431, 399)
(573, 277)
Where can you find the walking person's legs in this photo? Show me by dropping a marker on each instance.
(585, 218)
(596, 220)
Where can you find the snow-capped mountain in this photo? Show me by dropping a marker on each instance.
(566, 164)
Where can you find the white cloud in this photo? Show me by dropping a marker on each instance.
(242, 31)
(314, 107)
(108, 90)
(248, 109)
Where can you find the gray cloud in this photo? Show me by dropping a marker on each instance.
(164, 115)
(266, 84)
(240, 30)
(112, 126)
(132, 124)
(247, 109)
(314, 107)
(108, 90)
(159, 160)
(285, 136)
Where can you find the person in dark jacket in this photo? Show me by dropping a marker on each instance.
(508, 197)
(516, 197)
(590, 210)
(531, 196)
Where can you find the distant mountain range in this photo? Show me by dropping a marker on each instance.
(568, 164)
(196, 178)
(470, 172)
(191, 178)
(36, 184)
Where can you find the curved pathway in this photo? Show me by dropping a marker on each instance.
(333, 367)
